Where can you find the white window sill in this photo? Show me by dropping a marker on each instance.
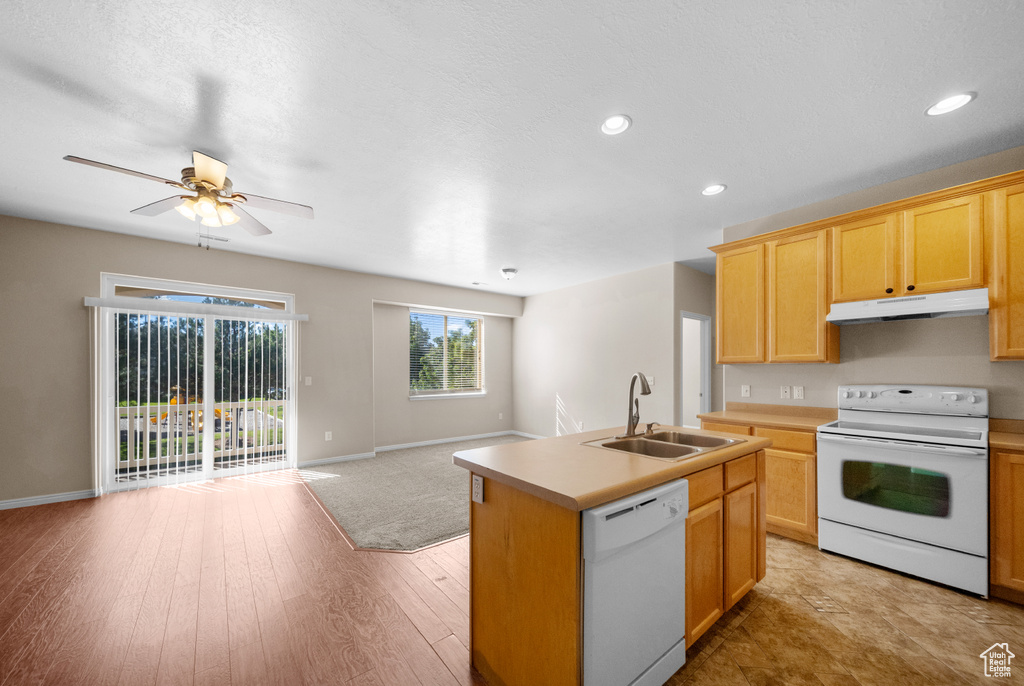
(449, 396)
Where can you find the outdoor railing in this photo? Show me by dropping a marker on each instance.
(169, 437)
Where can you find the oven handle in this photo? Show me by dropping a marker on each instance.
(909, 446)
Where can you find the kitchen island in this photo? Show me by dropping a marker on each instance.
(525, 542)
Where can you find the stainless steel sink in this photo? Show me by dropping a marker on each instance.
(640, 446)
(695, 440)
(664, 445)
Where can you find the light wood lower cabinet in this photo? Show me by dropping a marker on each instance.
(791, 479)
(724, 540)
(1007, 536)
(705, 599)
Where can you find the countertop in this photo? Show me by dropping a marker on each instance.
(578, 477)
(1003, 440)
(776, 416)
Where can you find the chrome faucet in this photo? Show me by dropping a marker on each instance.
(634, 403)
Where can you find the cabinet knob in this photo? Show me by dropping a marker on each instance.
(888, 290)
(910, 287)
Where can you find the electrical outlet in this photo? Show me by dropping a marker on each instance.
(501, 415)
(745, 391)
(784, 392)
(309, 380)
(328, 436)
(478, 488)
(581, 425)
(798, 392)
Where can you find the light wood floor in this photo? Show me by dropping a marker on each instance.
(248, 581)
(245, 581)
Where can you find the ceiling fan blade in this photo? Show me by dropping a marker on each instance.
(261, 203)
(101, 165)
(209, 169)
(158, 207)
(250, 223)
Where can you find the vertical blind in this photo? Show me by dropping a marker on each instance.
(445, 353)
(164, 413)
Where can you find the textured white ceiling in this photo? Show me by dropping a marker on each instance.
(442, 141)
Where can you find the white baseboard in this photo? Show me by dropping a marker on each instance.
(44, 499)
(526, 435)
(419, 444)
(331, 460)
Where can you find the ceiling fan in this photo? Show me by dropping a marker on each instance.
(211, 197)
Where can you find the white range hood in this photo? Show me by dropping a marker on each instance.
(927, 306)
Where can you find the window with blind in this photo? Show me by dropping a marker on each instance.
(445, 354)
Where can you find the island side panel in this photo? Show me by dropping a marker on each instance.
(525, 589)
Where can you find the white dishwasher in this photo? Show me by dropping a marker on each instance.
(634, 588)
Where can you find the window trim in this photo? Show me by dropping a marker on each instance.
(437, 393)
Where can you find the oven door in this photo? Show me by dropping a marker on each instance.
(929, 493)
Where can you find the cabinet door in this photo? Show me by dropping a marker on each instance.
(740, 305)
(1006, 293)
(791, 492)
(943, 246)
(1008, 520)
(704, 595)
(740, 542)
(864, 259)
(798, 300)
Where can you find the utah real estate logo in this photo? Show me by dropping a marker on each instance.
(997, 660)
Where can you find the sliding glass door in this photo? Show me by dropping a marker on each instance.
(194, 394)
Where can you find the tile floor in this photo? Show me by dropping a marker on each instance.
(826, 620)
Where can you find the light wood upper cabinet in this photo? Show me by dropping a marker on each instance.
(1007, 567)
(740, 305)
(943, 246)
(798, 300)
(1006, 291)
(864, 259)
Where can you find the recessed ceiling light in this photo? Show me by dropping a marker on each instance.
(953, 102)
(713, 189)
(615, 124)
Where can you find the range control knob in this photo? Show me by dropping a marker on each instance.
(973, 399)
(846, 394)
(857, 394)
(870, 394)
(956, 397)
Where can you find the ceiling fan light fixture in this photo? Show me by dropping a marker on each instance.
(186, 208)
(226, 214)
(205, 207)
(213, 222)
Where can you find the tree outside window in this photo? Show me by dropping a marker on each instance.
(445, 354)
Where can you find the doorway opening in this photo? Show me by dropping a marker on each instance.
(694, 368)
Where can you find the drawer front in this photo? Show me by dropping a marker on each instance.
(784, 439)
(705, 486)
(726, 428)
(741, 471)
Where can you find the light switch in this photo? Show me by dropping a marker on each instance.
(798, 392)
(309, 380)
(328, 436)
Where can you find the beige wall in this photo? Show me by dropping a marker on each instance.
(46, 270)
(940, 351)
(695, 293)
(575, 349)
(399, 420)
(950, 351)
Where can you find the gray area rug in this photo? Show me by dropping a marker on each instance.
(401, 499)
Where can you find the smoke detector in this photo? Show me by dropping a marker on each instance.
(509, 273)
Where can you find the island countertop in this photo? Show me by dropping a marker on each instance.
(577, 477)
